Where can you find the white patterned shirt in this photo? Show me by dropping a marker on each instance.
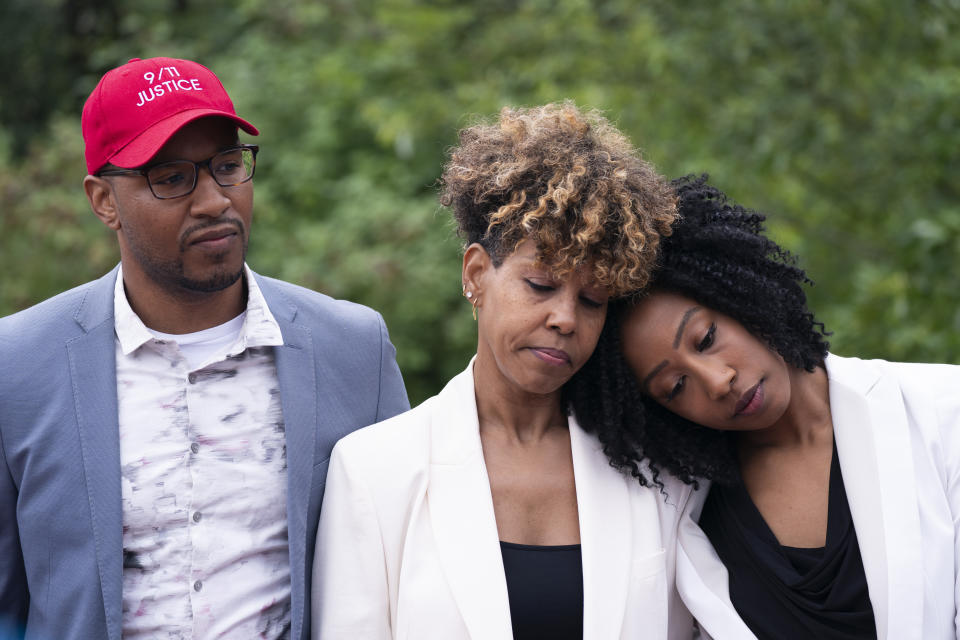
(204, 478)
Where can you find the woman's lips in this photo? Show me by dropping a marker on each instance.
(551, 356)
(750, 401)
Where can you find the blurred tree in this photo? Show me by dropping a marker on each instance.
(839, 119)
(47, 47)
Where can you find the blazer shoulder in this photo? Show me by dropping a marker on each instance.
(930, 385)
(936, 382)
(402, 440)
(921, 384)
(39, 328)
(306, 306)
(931, 376)
(390, 460)
(56, 313)
(906, 372)
(929, 393)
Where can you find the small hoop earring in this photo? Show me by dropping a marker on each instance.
(473, 303)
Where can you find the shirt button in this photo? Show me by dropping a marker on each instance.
(197, 585)
(192, 378)
(194, 447)
(196, 518)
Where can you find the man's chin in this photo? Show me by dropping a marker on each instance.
(212, 283)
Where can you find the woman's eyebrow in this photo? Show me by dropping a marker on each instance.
(645, 385)
(683, 325)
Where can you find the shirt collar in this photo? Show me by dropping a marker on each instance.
(260, 328)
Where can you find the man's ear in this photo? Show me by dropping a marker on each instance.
(103, 200)
(476, 263)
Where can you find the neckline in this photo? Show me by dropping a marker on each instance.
(835, 494)
(539, 547)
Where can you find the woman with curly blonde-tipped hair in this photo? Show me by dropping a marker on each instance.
(487, 512)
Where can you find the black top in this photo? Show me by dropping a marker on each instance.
(545, 587)
(786, 593)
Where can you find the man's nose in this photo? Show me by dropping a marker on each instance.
(208, 198)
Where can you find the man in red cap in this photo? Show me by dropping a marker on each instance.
(165, 430)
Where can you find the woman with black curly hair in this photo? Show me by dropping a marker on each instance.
(487, 512)
(829, 487)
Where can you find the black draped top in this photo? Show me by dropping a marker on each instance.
(786, 593)
(545, 588)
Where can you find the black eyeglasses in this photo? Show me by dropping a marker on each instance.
(179, 178)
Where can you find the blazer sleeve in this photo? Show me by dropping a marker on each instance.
(393, 395)
(350, 590)
(14, 596)
(946, 397)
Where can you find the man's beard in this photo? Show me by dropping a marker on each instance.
(217, 282)
(172, 274)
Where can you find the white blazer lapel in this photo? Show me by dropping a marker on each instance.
(702, 579)
(873, 444)
(461, 513)
(606, 536)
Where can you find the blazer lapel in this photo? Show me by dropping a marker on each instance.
(93, 372)
(296, 375)
(702, 578)
(872, 434)
(606, 535)
(461, 513)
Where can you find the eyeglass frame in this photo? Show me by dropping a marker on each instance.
(196, 170)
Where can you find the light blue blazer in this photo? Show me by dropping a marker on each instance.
(61, 550)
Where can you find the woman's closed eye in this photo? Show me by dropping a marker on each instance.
(538, 287)
(677, 388)
(590, 302)
(707, 341)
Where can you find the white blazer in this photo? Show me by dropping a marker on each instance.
(408, 546)
(897, 431)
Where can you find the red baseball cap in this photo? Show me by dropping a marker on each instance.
(137, 107)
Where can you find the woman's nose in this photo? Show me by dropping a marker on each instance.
(563, 314)
(719, 379)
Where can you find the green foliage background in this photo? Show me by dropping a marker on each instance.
(839, 119)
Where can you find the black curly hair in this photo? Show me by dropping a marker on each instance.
(718, 256)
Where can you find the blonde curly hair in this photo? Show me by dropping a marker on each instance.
(569, 181)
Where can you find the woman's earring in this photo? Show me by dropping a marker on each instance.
(473, 303)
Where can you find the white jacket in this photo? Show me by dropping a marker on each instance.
(897, 431)
(408, 545)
